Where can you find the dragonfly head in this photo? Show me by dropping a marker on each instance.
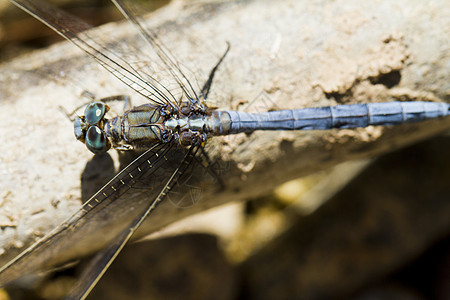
(89, 128)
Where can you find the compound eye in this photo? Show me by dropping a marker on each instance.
(94, 112)
(96, 140)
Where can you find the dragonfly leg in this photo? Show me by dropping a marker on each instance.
(208, 165)
(71, 115)
(92, 98)
(207, 86)
(125, 98)
(89, 95)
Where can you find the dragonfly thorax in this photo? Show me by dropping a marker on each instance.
(140, 127)
(188, 130)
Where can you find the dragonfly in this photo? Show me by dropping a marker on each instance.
(172, 130)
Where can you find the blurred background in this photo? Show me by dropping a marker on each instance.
(20, 32)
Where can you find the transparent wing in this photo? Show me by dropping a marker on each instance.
(102, 260)
(141, 71)
(109, 211)
(169, 61)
